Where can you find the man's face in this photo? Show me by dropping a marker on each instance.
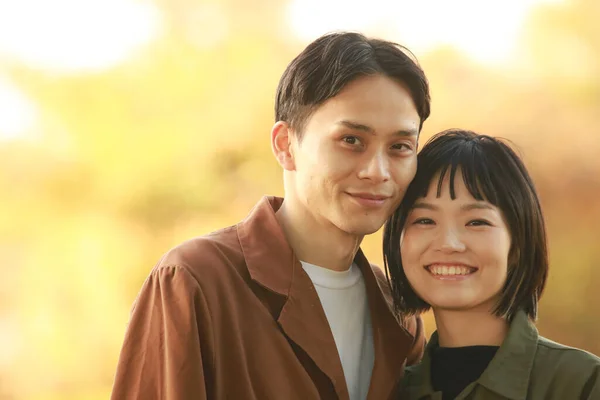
(357, 155)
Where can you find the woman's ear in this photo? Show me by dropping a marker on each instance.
(281, 145)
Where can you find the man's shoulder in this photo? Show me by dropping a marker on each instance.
(206, 255)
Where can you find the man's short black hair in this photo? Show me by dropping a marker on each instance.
(332, 61)
(493, 172)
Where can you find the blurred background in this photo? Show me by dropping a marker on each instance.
(129, 126)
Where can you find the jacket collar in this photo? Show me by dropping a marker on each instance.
(270, 259)
(272, 264)
(509, 371)
(507, 374)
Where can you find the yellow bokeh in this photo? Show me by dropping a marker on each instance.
(127, 127)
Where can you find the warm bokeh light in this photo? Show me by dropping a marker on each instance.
(487, 31)
(18, 113)
(127, 126)
(71, 35)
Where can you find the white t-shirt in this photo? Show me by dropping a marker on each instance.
(344, 298)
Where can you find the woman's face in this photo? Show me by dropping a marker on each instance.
(455, 252)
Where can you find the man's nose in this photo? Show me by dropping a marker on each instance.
(376, 168)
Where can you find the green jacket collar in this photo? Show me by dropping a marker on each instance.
(507, 374)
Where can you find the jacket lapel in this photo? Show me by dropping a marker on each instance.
(391, 341)
(272, 264)
(303, 320)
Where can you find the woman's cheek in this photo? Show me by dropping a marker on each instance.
(409, 250)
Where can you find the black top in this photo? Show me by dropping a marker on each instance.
(453, 368)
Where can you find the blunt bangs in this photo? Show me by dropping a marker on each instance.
(475, 172)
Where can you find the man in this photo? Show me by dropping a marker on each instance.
(284, 305)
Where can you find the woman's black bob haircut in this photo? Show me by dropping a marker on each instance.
(493, 172)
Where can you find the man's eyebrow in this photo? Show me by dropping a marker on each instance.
(365, 128)
(407, 132)
(357, 126)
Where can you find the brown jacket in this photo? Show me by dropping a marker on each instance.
(232, 315)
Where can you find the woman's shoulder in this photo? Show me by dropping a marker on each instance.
(566, 370)
(550, 350)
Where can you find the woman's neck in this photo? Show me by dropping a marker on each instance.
(469, 328)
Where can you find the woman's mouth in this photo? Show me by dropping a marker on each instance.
(450, 271)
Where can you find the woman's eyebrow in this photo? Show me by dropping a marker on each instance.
(465, 207)
(426, 206)
(477, 206)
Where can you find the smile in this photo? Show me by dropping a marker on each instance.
(450, 271)
(369, 199)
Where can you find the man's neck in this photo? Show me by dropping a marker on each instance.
(316, 242)
(469, 328)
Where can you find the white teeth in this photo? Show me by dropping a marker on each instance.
(449, 270)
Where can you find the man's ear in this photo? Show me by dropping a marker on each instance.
(281, 145)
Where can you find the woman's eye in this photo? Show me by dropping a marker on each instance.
(478, 222)
(423, 221)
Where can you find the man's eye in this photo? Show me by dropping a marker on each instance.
(351, 140)
(400, 146)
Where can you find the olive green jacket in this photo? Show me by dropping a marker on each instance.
(526, 366)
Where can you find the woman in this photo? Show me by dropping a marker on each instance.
(469, 242)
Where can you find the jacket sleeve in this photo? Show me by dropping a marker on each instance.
(167, 348)
(591, 389)
(415, 326)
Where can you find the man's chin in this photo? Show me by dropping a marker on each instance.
(361, 229)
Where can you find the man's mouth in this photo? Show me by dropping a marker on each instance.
(369, 199)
